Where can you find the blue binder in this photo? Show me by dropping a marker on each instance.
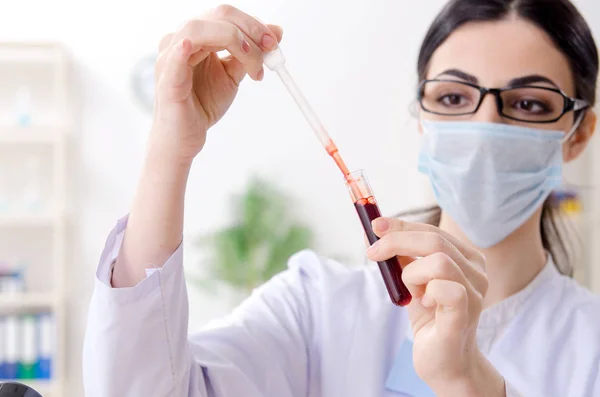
(45, 346)
(2, 347)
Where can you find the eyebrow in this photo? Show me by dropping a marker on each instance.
(460, 74)
(534, 78)
(519, 81)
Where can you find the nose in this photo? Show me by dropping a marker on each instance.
(488, 111)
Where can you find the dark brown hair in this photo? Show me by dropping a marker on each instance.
(571, 34)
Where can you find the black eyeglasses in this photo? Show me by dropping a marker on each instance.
(530, 104)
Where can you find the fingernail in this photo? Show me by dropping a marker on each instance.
(261, 74)
(268, 42)
(381, 224)
(245, 46)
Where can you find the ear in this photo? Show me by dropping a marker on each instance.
(415, 111)
(580, 139)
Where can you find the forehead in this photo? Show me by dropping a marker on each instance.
(497, 52)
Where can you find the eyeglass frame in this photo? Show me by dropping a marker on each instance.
(570, 104)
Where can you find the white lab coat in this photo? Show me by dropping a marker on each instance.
(320, 329)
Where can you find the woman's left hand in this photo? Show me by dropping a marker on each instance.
(447, 280)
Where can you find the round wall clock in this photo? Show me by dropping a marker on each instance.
(142, 81)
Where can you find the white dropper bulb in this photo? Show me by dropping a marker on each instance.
(274, 59)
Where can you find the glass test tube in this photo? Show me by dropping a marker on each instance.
(368, 210)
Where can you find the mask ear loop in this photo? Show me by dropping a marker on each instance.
(570, 135)
(574, 129)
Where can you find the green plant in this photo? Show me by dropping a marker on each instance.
(259, 242)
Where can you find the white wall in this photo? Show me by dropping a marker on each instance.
(354, 60)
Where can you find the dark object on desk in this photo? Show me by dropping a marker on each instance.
(14, 389)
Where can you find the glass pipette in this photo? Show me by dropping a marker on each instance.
(275, 61)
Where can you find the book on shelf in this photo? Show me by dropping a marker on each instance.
(26, 346)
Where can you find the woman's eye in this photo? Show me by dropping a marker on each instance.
(453, 100)
(532, 106)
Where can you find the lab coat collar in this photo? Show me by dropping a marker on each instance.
(503, 312)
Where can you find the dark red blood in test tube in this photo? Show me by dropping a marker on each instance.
(391, 270)
(367, 210)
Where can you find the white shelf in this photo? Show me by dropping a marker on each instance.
(30, 300)
(31, 53)
(45, 69)
(35, 134)
(27, 220)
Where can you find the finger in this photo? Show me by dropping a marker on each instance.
(258, 32)
(423, 240)
(197, 57)
(452, 311)
(214, 36)
(438, 266)
(277, 31)
(254, 67)
(413, 243)
(403, 260)
(383, 226)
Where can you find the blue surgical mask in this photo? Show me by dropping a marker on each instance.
(489, 177)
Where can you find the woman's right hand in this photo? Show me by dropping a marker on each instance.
(194, 87)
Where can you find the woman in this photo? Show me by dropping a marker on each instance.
(321, 329)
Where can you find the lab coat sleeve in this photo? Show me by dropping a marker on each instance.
(511, 391)
(137, 341)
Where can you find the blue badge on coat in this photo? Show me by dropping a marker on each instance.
(402, 377)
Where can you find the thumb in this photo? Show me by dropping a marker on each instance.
(452, 307)
(277, 31)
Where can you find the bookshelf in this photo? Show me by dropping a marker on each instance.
(41, 135)
(36, 121)
(19, 221)
(31, 300)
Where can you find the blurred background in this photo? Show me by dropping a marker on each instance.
(75, 111)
